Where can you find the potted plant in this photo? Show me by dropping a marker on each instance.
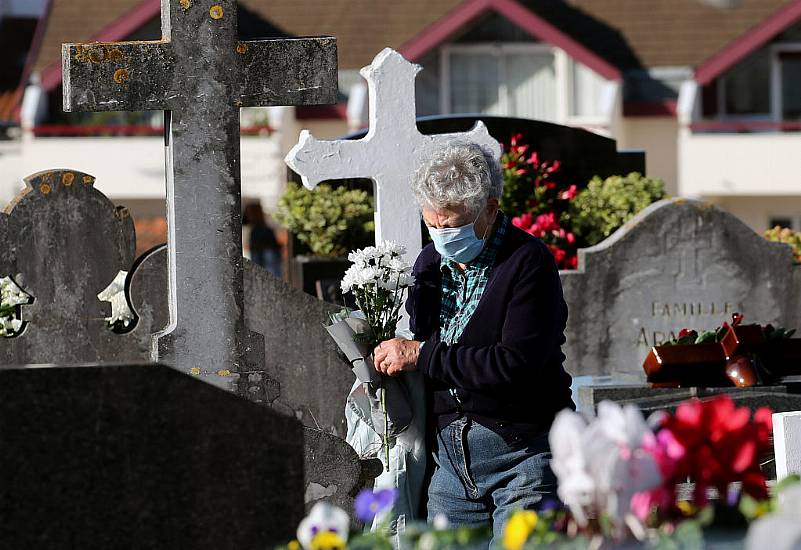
(325, 224)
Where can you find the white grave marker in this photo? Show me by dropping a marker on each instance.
(389, 154)
(787, 443)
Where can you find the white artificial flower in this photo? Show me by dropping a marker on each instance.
(780, 530)
(115, 293)
(323, 519)
(601, 464)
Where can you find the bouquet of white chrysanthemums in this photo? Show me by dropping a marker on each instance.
(378, 280)
(11, 296)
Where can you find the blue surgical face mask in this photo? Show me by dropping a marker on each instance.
(459, 244)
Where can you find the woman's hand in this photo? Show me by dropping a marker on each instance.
(397, 355)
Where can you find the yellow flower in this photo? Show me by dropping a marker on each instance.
(195, 371)
(518, 529)
(293, 545)
(687, 508)
(326, 540)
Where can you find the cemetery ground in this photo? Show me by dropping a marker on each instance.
(216, 419)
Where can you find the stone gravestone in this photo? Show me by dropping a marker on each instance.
(201, 74)
(142, 457)
(678, 263)
(389, 153)
(68, 242)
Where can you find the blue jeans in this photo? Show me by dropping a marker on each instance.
(480, 479)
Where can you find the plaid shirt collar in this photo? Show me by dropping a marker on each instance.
(486, 259)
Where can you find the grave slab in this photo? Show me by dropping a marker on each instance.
(142, 456)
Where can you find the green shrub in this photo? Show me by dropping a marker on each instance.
(786, 236)
(329, 221)
(605, 205)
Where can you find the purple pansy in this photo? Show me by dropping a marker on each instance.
(369, 503)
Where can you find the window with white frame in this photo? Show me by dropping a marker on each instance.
(500, 79)
(587, 90)
(763, 86)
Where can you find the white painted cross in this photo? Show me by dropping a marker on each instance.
(389, 154)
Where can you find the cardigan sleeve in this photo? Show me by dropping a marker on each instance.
(534, 321)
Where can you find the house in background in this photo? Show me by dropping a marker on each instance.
(705, 87)
(18, 22)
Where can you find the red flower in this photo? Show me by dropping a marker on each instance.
(570, 193)
(547, 222)
(723, 445)
(571, 238)
(523, 222)
(572, 262)
(684, 332)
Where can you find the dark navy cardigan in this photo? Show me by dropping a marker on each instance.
(506, 367)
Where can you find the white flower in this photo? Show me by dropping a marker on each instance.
(324, 520)
(370, 253)
(392, 248)
(780, 530)
(357, 257)
(397, 264)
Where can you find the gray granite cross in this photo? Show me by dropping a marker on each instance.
(201, 74)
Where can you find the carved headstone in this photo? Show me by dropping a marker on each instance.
(68, 242)
(201, 74)
(679, 263)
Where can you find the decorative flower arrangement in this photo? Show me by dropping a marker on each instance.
(568, 215)
(618, 480)
(378, 279)
(537, 200)
(11, 297)
(619, 477)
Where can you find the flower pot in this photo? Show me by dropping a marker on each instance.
(687, 365)
(742, 339)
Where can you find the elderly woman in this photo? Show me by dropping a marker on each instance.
(488, 316)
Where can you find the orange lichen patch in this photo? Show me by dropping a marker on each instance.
(121, 76)
(88, 180)
(241, 48)
(45, 188)
(186, 4)
(216, 12)
(223, 372)
(98, 53)
(67, 178)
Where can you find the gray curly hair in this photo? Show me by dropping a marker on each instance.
(463, 173)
